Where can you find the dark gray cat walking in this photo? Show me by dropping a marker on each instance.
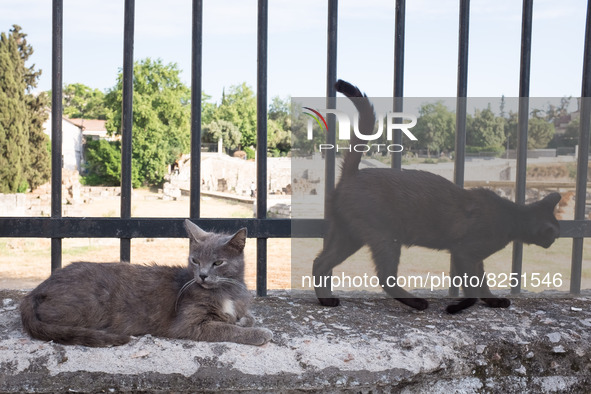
(95, 304)
(385, 209)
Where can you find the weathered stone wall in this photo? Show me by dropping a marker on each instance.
(368, 344)
(222, 173)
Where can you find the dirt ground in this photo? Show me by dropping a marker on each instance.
(25, 262)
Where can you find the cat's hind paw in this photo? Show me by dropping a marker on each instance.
(461, 305)
(420, 304)
(329, 301)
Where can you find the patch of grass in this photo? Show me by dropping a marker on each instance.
(109, 214)
(241, 215)
(79, 250)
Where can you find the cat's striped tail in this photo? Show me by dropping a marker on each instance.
(66, 335)
(367, 121)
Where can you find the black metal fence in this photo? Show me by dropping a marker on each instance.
(126, 227)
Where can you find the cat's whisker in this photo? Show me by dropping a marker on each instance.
(181, 291)
(232, 281)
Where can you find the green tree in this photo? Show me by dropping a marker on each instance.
(539, 130)
(485, 131)
(571, 134)
(511, 127)
(278, 138)
(103, 163)
(554, 113)
(161, 118)
(24, 156)
(239, 107)
(435, 128)
(279, 126)
(227, 131)
(81, 101)
(539, 133)
(39, 170)
(207, 109)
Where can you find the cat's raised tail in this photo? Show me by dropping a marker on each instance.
(367, 121)
(64, 334)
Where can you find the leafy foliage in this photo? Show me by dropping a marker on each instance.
(540, 131)
(81, 101)
(161, 119)
(279, 126)
(435, 128)
(24, 156)
(484, 129)
(239, 107)
(571, 135)
(103, 163)
(227, 131)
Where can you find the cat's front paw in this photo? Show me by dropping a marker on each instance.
(329, 301)
(497, 302)
(261, 336)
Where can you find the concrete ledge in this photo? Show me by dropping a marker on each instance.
(368, 344)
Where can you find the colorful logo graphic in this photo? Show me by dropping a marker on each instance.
(317, 116)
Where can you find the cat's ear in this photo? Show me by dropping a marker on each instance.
(238, 240)
(193, 231)
(551, 200)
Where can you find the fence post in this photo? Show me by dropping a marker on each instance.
(461, 104)
(56, 126)
(261, 158)
(523, 116)
(196, 71)
(582, 158)
(399, 30)
(127, 123)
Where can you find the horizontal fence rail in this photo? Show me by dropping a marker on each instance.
(82, 227)
(127, 227)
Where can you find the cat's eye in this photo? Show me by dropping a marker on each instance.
(193, 261)
(218, 263)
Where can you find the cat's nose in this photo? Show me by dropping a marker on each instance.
(202, 276)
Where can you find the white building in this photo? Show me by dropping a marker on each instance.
(71, 143)
(92, 129)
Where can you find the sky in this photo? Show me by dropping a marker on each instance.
(93, 44)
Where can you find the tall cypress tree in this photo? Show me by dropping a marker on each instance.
(24, 157)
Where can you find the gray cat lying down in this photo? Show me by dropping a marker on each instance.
(95, 304)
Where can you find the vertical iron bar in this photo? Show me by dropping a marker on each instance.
(331, 93)
(462, 93)
(399, 30)
(583, 158)
(262, 142)
(196, 73)
(523, 116)
(461, 104)
(331, 79)
(56, 126)
(127, 123)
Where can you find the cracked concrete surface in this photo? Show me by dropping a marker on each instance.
(368, 344)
